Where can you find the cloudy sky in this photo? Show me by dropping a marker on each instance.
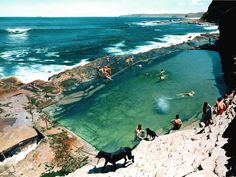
(56, 8)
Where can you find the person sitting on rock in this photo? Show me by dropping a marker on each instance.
(107, 69)
(106, 72)
(139, 133)
(98, 71)
(219, 106)
(130, 61)
(176, 123)
(206, 114)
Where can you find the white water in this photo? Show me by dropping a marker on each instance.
(18, 30)
(166, 41)
(154, 23)
(214, 27)
(38, 71)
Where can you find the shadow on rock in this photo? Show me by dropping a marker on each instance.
(108, 168)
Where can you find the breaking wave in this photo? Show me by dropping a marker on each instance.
(18, 30)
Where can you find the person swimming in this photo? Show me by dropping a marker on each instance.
(191, 93)
(162, 76)
(162, 71)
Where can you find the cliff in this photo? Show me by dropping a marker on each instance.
(224, 13)
(216, 9)
(227, 47)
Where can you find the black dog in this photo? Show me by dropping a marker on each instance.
(150, 133)
(116, 156)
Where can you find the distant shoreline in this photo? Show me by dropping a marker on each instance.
(182, 15)
(178, 15)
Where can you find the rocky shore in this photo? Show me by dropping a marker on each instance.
(192, 152)
(33, 145)
(56, 150)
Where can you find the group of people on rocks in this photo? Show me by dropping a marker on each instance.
(217, 109)
(104, 72)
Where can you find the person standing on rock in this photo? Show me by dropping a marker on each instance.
(107, 58)
(209, 40)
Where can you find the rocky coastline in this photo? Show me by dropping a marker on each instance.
(27, 103)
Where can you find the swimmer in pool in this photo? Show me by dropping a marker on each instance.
(162, 76)
(191, 93)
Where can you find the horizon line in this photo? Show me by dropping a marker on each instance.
(121, 15)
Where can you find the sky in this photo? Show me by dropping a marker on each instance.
(71, 8)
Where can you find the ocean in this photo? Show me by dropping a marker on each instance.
(37, 48)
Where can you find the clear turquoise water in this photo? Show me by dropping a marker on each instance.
(108, 118)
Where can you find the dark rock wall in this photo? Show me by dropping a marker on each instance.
(224, 14)
(216, 9)
(227, 46)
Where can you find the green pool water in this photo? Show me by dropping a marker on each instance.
(108, 118)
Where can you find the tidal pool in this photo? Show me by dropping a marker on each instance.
(108, 118)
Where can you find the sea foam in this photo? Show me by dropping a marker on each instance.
(213, 27)
(162, 105)
(154, 23)
(166, 41)
(116, 49)
(29, 73)
(18, 30)
(12, 54)
(53, 54)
